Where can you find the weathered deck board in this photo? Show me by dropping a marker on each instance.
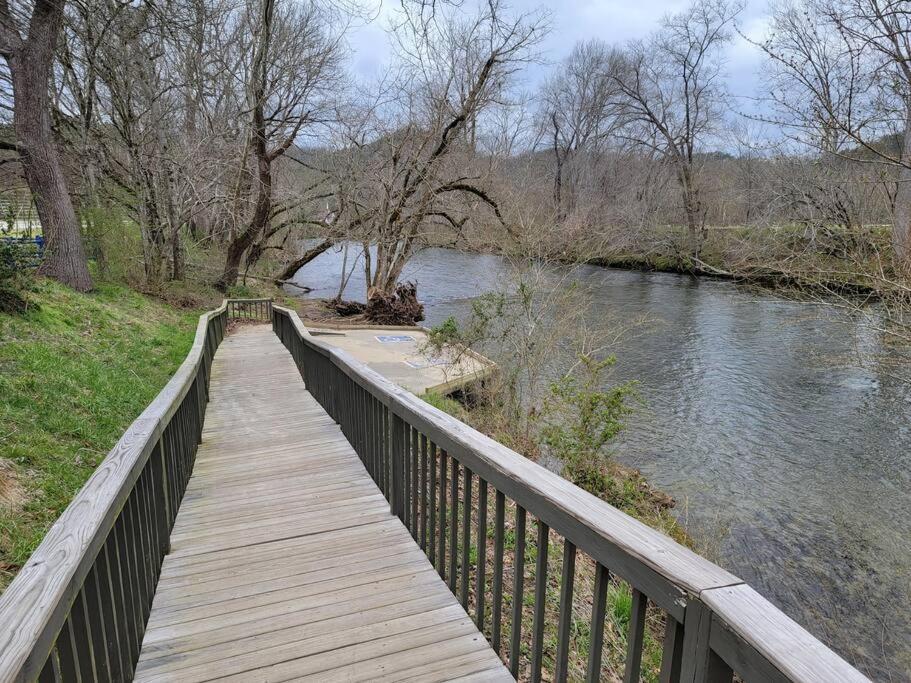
(285, 561)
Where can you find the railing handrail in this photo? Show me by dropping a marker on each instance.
(35, 604)
(250, 309)
(684, 584)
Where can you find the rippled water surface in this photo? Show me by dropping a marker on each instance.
(777, 427)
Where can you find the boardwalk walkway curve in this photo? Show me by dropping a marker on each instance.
(286, 561)
(281, 512)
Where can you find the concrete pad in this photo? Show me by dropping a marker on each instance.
(399, 354)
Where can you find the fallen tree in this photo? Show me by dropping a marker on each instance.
(401, 307)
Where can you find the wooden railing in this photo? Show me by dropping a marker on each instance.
(78, 608)
(443, 477)
(250, 309)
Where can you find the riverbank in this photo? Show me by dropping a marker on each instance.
(774, 280)
(790, 260)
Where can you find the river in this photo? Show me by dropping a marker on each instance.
(776, 425)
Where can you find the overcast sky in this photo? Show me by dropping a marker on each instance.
(614, 21)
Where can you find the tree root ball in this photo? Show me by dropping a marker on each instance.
(346, 308)
(401, 307)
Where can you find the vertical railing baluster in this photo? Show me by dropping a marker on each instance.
(136, 546)
(68, 656)
(406, 474)
(415, 495)
(378, 436)
(50, 672)
(699, 662)
(398, 468)
(672, 651)
(122, 670)
(114, 611)
(102, 646)
(371, 436)
(423, 511)
(537, 642)
(499, 529)
(109, 609)
(82, 638)
(481, 577)
(634, 637)
(453, 524)
(384, 422)
(125, 568)
(596, 630)
(561, 669)
(162, 507)
(441, 544)
(518, 588)
(432, 530)
(467, 478)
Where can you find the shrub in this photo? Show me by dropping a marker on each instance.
(16, 262)
(444, 334)
(581, 418)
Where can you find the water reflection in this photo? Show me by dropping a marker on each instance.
(774, 424)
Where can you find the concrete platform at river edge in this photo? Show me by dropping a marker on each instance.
(401, 355)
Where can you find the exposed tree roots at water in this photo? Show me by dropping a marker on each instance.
(399, 308)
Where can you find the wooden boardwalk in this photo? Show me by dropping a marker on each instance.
(285, 561)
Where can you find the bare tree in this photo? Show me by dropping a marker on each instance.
(578, 111)
(842, 83)
(672, 91)
(409, 168)
(28, 38)
(290, 78)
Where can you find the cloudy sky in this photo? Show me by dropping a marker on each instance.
(614, 21)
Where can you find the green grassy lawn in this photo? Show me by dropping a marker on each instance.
(74, 372)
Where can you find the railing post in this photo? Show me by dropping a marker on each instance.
(698, 663)
(398, 467)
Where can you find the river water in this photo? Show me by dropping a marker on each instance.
(777, 426)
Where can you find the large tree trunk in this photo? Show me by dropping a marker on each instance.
(64, 256)
(263, 209)
(258, 223)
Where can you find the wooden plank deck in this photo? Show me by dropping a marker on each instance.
(286, 563)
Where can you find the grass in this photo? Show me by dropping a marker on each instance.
(75, 370)
(447, 405)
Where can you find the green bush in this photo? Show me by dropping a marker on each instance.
(17, 261)
(581, 418)
(444, 334)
